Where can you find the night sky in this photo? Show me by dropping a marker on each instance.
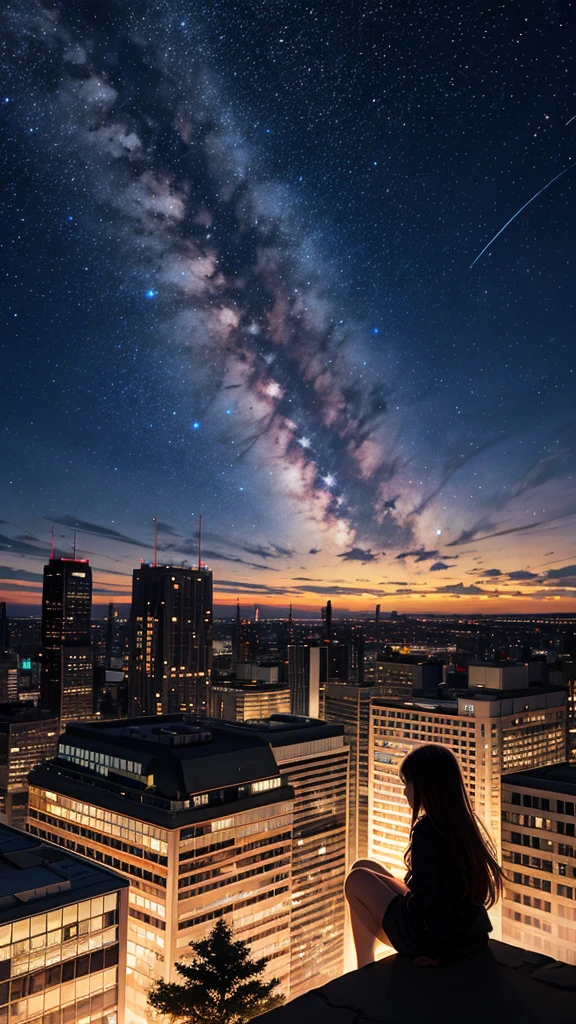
(236, 248)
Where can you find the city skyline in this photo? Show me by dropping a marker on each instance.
(248, 274)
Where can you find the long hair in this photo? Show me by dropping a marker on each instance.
(440, 793)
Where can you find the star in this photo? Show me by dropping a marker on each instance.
(304, 442)
(151, 294)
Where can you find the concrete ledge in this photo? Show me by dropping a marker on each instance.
(500, 985)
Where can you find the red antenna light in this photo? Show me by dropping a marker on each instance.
(52, 543)
(200, 544)
(155, 521)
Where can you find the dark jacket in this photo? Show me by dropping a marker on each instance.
(436, 904)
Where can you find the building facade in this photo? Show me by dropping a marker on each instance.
(349, 705)
(539, 857)
(66, 684)
(314, 757)
(240, 700)
(402, 676)
(491, 733)
(198, 820)
(28, 736)
(62, 936)
(170, 640)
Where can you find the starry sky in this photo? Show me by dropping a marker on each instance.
(237, 241)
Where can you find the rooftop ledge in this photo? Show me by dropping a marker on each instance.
(500, 985)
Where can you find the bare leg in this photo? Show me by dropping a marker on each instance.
(371, 865)
(369, 895)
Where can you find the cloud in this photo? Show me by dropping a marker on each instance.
(272, 551)
(8, 573)
(557, 574)
(81, 526)
(439, 565)
(359, 555)
(461, 590)
(455, 463)
(21, 547)
(491, 572)
(421, 555)
(314, 551)
(218, 556)
(522, 574)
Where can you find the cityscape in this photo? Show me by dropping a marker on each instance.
(130, 742)
(287, 506)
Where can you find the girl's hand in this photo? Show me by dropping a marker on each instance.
(425, 961)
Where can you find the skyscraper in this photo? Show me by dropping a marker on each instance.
(309, 669)
(170, 640)
(66, 685)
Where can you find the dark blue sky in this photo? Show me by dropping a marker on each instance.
(236, 248)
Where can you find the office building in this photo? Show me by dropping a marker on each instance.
(314, 758)
(28, 736)
(404, 675)
(498, 675)
(349, 705)
(490, 732)
(539, 857)
(66, 684)
(62, 935)
(240, 699)
(170, 640)
(198, 818)
(309, 669)
(4, 634)
(8, 676)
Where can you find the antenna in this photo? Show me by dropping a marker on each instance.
(200, 544)
(74, 547)
(155, 521)
(52, 543)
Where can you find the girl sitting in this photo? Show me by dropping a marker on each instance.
(439, 912)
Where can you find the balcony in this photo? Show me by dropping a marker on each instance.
(501, 985)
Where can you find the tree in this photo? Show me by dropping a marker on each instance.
(222, 984)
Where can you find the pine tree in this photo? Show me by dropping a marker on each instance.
(222, 984)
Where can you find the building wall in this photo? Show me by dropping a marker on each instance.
(66, 964)
(318, 772)
(485, 745)
(239, 705)
(349, 706)
(23, 745)
(182, 880)
(539, 856)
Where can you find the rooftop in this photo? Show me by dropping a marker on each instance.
(502, 985)
(559, 777)
(157, 766)
(36, 877)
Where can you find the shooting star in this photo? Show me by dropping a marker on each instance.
(570, 121)
(539, 193)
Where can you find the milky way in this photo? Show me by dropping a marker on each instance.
(245, 304)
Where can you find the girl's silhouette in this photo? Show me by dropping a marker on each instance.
(438, 912)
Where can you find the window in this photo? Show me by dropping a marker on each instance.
(565, 890)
